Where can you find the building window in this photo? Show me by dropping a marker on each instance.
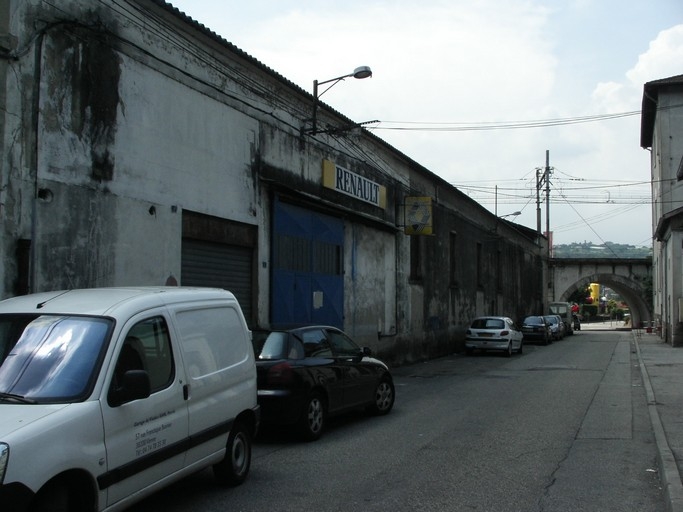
(480, 263)
(292, 253)
(499, 270)
(327, 258)
(453, 256)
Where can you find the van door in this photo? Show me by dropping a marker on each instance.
(219, 362)
(145, 438)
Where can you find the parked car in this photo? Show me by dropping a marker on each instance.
(494, 333)
(557, 328)
(308, 374)
(107, 395)
(535, 328)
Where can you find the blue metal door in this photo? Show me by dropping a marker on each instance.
(307, 268)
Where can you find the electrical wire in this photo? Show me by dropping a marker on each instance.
(427, 126)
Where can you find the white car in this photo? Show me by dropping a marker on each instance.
(494, 333)
(107, 395)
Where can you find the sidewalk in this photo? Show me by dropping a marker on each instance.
(661, 366)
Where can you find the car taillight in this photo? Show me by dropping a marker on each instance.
(279, 374)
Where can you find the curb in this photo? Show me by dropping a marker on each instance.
(668, 469)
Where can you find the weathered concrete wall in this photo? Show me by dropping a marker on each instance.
(115, 124)
(667, 196)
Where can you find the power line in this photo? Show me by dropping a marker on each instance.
(496, 125)
(428, 126)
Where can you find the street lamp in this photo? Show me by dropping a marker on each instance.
(360, 73)
(514, 214)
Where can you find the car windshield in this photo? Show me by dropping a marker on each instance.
(50, 359)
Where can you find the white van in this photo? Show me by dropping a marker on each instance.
(564, 311)
(107, 395)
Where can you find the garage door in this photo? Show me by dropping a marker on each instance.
(307, 279)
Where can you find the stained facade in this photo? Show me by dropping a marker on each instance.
(140, 148)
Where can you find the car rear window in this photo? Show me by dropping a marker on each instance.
(488, 323)
(274, 346)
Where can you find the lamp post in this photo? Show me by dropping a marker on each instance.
(499, 217)
(360, 73)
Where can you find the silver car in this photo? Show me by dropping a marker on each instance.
(557, 327)
(494, 333)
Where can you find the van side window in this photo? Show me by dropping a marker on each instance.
(212, 339)
(150, 341)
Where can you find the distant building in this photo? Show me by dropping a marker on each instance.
(662, 133)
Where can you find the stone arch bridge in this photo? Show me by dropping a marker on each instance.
(631, 278)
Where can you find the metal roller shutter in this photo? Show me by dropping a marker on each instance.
(219, 266)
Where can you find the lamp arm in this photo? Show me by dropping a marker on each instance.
(335, 80)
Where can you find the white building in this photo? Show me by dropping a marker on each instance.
(662, 133)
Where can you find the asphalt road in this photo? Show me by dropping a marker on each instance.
(562, 427)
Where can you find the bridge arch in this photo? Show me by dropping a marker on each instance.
(630, 278)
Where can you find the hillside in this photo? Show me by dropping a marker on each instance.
(606, 250)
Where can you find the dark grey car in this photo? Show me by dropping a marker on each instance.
(307, 374)
(536, 328)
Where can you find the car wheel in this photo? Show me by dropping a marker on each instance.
(234, 468)
(312, 420)
(384, 397)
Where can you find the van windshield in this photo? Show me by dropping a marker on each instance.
(50, 359)
(558, 309)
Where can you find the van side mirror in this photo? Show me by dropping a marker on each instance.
(135, 385)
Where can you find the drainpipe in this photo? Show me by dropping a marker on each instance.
(36, 152)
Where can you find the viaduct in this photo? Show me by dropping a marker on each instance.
(631, 278)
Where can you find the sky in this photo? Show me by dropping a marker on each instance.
(481, 91)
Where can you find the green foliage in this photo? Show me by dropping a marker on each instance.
(579, 295)
(589, 311)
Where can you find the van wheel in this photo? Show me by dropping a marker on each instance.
(312, 421)
(234, 468)
(53, 498)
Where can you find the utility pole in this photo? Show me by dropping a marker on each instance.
(540, 181)
(538, 203)
(547, 199)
